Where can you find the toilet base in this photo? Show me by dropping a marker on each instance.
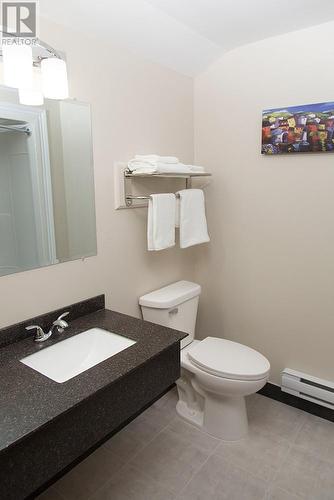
(226, 420)
(222, 416)
(225, 417)
(194, 417)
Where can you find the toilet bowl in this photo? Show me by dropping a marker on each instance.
(216, 374)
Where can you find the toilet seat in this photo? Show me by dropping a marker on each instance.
(227, 359)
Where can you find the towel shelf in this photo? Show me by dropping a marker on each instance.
(128, 176)
(169, 176)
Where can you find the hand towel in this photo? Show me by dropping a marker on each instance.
(161, 221)
(177, 211)
(193, 225)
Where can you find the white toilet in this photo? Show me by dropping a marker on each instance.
(216, 374)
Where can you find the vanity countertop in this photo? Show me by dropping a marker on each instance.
(30, 400)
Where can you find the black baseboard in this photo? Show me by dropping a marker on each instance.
(274, 392)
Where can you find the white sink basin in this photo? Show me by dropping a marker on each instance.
(77, 354)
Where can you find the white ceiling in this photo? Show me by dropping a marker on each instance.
(186, 35)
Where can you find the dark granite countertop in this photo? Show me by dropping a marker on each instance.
(30, 400)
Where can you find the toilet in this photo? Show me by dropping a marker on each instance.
(216, 374)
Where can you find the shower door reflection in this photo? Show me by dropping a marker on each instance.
(27, 237)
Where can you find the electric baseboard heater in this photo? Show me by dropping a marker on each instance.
(308, 387)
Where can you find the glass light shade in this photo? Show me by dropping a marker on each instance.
(32, 96)
(54, 78)
(17, 65)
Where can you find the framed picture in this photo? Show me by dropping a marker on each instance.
(298, 129)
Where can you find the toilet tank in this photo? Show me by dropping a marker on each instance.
(174, 306)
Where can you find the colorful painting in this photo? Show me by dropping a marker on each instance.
(298, 129)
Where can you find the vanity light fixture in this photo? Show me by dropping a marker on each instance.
(36, 70)
(17, 65)
(54, 78)
(32, 95)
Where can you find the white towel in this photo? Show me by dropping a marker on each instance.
(177, 168)
(193, 225)
(154, 164)
(142, 169)
(137, 167)
(161, 221)
(196, 168)
(156, 158)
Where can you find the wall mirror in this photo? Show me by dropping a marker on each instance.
(47, 202)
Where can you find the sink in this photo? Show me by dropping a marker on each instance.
(72, 356)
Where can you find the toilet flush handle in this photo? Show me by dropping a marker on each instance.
(174, 311)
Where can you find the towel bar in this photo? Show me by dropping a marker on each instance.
(128, 176)
(130, 197)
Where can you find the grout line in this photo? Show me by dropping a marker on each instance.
(151, 440)
(62, 496)
(150, 478)
(196, 471)
(129, 460)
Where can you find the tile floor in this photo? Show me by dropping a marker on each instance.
(288, 455)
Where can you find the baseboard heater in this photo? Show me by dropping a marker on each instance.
(308, 387)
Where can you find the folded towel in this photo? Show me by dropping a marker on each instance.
(137, 167)
(144, 169)
(155, 164)
(157, 158)
(177, 168)
(134, 165)
(161, 221)
(196, 168)
(193, 225)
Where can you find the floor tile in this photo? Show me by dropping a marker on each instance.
(279, 494)
(51, 494)
(288, 455)
(220, 480)
(132, 484)
(144, 428)
(260, 454)
(82, 481)
(317, 436)
(306, 475)
(193, 435)
(168, 401)
(269, 416)
(172, 458)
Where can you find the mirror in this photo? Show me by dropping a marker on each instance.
(47, 201)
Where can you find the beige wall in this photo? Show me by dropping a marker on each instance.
(137, 107)
(268, 275)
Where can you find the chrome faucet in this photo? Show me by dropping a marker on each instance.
(59, 324)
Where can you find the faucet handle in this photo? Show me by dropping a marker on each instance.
(39, 332)
(60, 323)
(63, 315)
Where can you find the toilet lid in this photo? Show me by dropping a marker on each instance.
(228, 359)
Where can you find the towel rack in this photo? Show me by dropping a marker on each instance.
(127, 184)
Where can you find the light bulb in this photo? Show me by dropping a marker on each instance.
(17, 65)
(32, 96)
(54, 78)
